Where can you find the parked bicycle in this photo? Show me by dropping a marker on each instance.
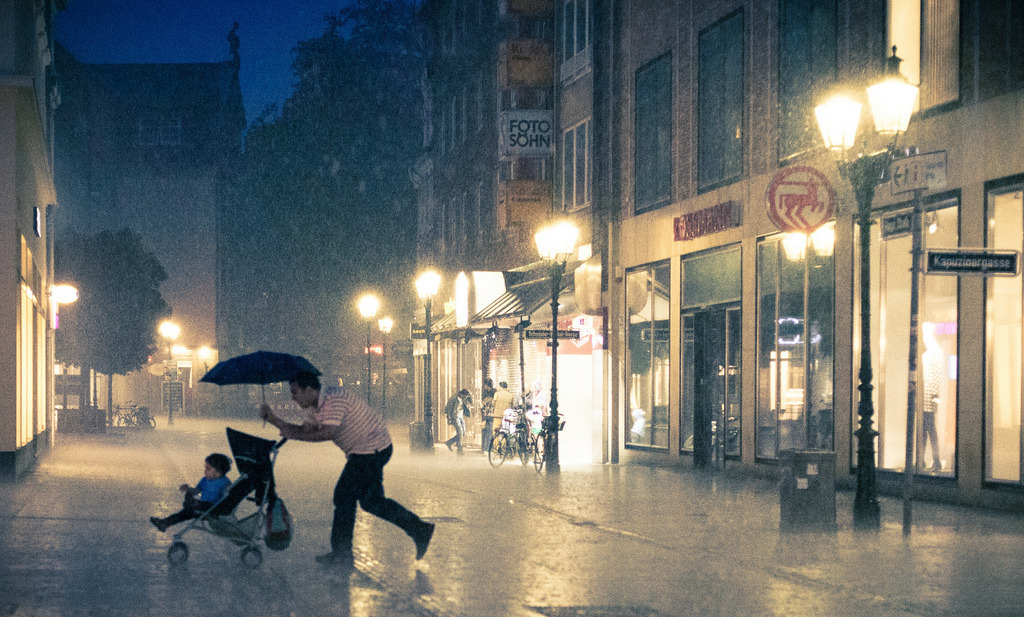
(513, 438)
(132, 416)
(537, 441)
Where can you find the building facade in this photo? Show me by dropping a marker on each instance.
(721, 241)
(154, 148)
(738, 337)
(28, 95)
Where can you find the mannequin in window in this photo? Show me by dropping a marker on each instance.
(933, 362)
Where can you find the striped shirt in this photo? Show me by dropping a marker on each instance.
(361, 429)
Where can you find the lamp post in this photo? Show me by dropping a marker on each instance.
(892, 103)
(555, 243)
(368, 305)
(385, 324)
(170, 332)
(426, 288)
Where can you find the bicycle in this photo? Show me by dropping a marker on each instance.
(132, 416)
(537, 443)
(512, 439)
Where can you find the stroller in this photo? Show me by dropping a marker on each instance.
(254, 458)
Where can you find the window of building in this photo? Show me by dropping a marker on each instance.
(575, 36)
(795, 342)
(653, 135)
(1003, 351)
(576, 166)
(720, 103)
(937, 346)
(647, 303)
(463, 112)
(807, 64)
(926, 34)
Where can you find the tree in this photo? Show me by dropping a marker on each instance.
(328, 176)
(112, 327)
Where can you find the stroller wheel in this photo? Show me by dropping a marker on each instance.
(178, 553)
(252, 557)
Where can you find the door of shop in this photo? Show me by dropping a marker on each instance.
(712, 350)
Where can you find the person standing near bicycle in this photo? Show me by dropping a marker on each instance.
(456, 410)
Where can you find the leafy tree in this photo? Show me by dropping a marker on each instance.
(112, 326)
(327, 176)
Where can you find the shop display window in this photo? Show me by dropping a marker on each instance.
(647, 303)
(1003, 318)
(796, 290)
(935, 413)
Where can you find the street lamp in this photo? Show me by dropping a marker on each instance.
(555, 243)
(170, 332)
(368, 305)
(892, 103)
(426, 288)
(385, 324)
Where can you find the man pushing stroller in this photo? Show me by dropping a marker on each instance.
(339, 415)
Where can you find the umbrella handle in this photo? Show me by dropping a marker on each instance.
(263, 391)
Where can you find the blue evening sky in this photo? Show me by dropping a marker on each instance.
(127, 31)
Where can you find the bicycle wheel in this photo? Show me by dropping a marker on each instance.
(499, 450)
(120, 420)
(523, 447)
(538, 452)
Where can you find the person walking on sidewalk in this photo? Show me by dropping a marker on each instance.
(456, 410)
(341, 416)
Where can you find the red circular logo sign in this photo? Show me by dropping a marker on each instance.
(800, 199)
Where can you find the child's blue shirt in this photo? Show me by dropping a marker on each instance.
(212, 490)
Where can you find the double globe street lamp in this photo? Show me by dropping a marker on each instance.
(892, 103)
(555, 243)
(427, 285)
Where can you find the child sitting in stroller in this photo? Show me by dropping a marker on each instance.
(207, 492)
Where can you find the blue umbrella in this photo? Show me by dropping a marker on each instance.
(260, 367)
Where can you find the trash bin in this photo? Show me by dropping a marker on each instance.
(807, 492)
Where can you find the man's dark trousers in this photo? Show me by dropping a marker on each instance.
(362, 481)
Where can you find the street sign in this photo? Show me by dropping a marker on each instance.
(546, 334)
(897, 225)
(401, 348)
(920, 172)
(418, 331)
(978, 262)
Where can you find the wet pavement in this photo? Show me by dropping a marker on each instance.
(597, 541)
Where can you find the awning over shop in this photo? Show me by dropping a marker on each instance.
(444, 324)
(528, 289)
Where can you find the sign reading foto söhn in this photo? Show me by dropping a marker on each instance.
(527, 133)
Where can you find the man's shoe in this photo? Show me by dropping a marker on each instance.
(449, 446)
(422, 539)
(158, 523)
(337, 560)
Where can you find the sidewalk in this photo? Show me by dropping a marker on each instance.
(596, 541)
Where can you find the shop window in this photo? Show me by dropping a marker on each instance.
(653, 135)
(720, 103)
(711, 366)
(647, 302)
(795, 342)
(926, 34)
(807, 63)
(937, 347)
(1003, 355)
